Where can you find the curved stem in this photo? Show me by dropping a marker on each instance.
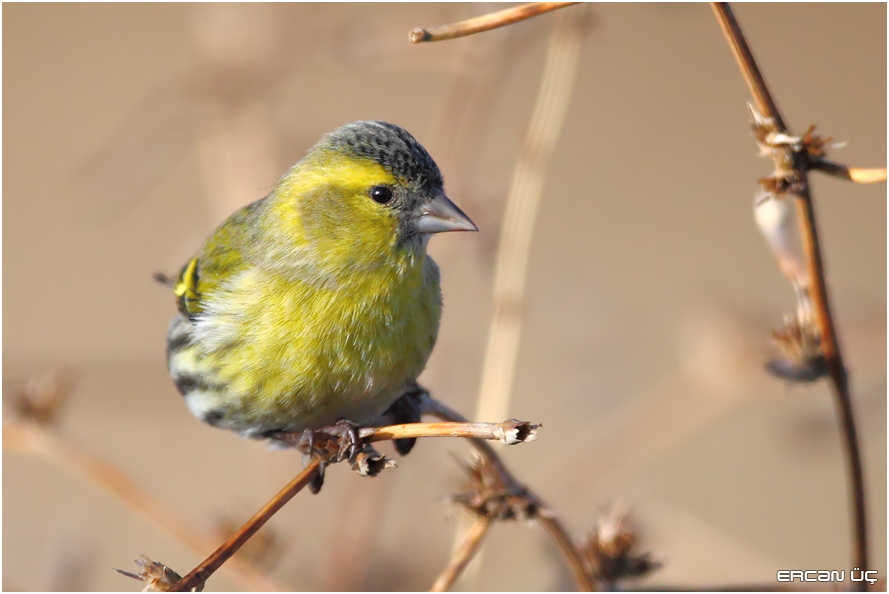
(485, 22)
(462, 557)
(823, 317)
(545, 516)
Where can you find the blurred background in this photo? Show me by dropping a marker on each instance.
(131, 130)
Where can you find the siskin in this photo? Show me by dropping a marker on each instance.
(317, 303)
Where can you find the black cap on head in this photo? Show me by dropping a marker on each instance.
(392, 147)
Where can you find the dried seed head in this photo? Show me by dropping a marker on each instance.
(486, 495)
(778, 146)
(514, 431)
(157, 576)
(40, 399)
(369, 462)
(800, 356)
(815, 146)
(783, 148)
(609, 552)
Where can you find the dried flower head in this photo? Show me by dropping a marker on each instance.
(369, 462)
(40, 399)
(815, 146)
(513, 431)
(487, 495)
(775, 144)
(157, 576)
(610, 551)
(800, 355)
(783, 148)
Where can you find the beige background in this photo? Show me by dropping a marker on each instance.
(130, 131)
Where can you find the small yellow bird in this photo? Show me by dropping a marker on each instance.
(318, 302)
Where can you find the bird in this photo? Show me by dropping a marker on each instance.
(317, 303)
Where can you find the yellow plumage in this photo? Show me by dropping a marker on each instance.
(319, 301)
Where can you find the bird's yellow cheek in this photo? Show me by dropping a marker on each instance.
(331, 206)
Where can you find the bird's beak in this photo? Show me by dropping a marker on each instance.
(440, 214)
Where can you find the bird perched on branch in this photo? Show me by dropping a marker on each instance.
(318, 302)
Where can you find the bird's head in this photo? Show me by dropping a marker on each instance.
(369, 188)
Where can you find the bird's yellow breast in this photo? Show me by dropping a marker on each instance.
(286, 349)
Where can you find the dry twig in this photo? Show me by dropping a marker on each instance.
(462, 556)
(517, 229)
(485, 22)
(510, 432)
(157, 577)
(800, 162)
(542, 514)
(612, 552)
(197, 577)
(859, 175)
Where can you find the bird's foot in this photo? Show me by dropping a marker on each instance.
(346, 433)
(336, 443)
(332, 444)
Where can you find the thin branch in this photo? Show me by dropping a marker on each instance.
(485, 22)
(859, 175)
(200, 574)
(545, 516)
(824, 319)
(506, 432)
(522, 205)
(752, 76)
(34, 439)
(520, 215)
(462, 556)
(837, 372)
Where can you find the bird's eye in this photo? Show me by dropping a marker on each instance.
(381, 194)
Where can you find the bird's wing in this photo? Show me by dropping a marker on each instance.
(222, 257)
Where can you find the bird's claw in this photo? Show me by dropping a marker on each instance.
(336, 443)
(346, 433)
(329, 445)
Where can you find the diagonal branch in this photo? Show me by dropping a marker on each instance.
(463, 556)
(486, 22)
(200, 574)
(824, 319)
(509, 432)
(544, 516)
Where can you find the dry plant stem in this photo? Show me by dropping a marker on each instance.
(823, 317)
(462, 556)
(522, 205)
(752, 76)
(485, 22)
(200, 574)
(836, 370)
(859, 175)
(34, 439)
(546, 518)
(466, 430)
